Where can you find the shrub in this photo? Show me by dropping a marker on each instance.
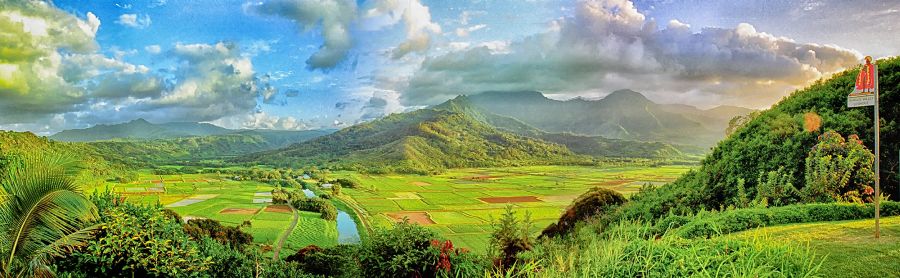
(409, 250)
(332, 262)
(713, 224)
(230, 236)
(138, 241)
(839, 170)
(595, 202)
(776, 188)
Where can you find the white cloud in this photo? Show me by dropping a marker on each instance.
(416, 18)
(333, 16)
(153, 49)
(609, 45)
(261, 120)
(135, 20)
(464, 32)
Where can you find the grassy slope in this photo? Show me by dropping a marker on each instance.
(848, 246)
(18, 143)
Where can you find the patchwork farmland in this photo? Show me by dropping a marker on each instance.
(460, 204)
(231, 202)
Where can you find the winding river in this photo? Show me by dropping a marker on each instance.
(346, 227)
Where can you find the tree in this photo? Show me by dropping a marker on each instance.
(839, 170)
(510, 237)
(43, 213)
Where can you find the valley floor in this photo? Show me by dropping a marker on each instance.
(849, 247)
(460, 204)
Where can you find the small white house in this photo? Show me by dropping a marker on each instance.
(305, 176)
(327, 185)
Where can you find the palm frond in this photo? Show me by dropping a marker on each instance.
(42, 206)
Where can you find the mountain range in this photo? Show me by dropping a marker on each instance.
(454, 134)
(623, 114)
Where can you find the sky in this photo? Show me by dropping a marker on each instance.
(307, 64)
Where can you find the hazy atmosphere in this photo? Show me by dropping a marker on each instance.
(330, 64)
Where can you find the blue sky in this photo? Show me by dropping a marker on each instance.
(300, 64)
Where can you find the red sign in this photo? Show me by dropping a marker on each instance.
(864, 91)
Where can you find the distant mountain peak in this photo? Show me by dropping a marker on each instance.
(625, 95)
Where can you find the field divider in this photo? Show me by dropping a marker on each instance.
(287, 232)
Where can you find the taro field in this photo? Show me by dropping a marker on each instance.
(230, 202)
(461, 204)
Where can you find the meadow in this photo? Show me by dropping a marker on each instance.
(847, 248)
(461, 204)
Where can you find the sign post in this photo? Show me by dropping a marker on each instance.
(866, 94)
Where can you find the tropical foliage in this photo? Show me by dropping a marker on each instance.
(42, 213)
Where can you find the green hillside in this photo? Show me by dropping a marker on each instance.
(597, 146)
(623, 114)
(139, 129)
(168, 151)
(421, 141)
(782, 137)
(19, 143)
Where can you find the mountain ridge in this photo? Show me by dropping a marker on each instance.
(623, 114)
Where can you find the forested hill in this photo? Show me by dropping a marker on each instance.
(597, 146)
(191, 149)
(19, 143)
(139, 129)
(623, 114)
(781, 138)
(422, 141)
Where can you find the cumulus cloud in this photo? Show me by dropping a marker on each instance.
(609, 45)
(54, 74)
(261, 120)
(135, 20)
(333, 16)
(416, 18)
(33, 34)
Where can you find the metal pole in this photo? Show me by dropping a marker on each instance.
(877, 159)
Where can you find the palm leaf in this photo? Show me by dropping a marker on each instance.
(41, 208)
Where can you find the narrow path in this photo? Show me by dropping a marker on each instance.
(287, 232)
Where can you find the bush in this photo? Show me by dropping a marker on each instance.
(595, 202)
(332, 262)
(230, 236)
(137, 241)
(839, 170)
(713, 224)
(409, 250)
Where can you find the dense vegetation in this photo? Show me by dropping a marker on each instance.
(16, 144)
(772, 149)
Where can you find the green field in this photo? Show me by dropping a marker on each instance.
(230, 202)
(848, 247)
(457, 204)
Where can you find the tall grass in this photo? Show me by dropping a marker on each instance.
(630, 249)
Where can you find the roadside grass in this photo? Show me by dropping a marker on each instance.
(849, 247)
(631, 249)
